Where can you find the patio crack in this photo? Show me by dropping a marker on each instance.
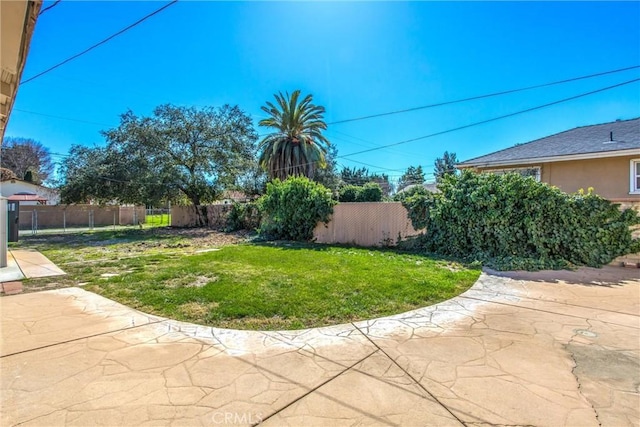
(415, 380)
(538, 309)
(81, 338)
(573, 372)
(348, 368)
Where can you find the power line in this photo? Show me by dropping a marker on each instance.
(99, 43)
(62, 118)
(55, 3)
(368, 143)
(440, 104)
(491, 120)
(374, 166)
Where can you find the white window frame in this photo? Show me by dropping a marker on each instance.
(633, 176)
(500, 171)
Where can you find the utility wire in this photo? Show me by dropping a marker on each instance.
(55, 3)
(440, 104)
(374, 166)
(490, 120)
(99, 43)
(478, 123)
(62, 118)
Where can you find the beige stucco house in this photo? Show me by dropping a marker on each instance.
(28, 193)
(605, 157)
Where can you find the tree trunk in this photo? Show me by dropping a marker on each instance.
(202, 219)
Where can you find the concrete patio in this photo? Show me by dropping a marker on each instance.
(27, 263)
(550, 348)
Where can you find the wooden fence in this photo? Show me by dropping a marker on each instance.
(185, 216)
(360, 224)
(366, 224)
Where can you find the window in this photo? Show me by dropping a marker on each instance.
(634, 178)
(533, 171)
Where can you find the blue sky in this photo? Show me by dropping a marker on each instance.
(356, 58)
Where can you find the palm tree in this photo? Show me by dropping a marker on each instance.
(297, 147)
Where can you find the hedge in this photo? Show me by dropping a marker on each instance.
(291, 209)
(514, 222)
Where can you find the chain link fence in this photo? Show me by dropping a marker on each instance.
(158, 217)
(36, 218)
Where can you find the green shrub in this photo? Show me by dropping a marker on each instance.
(243, 216)
(348, 193)
(291, 209)
(369, 192)
(512, 222)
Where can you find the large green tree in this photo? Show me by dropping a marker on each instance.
(27, 158)
(297, 146)
(195, 153)
(445, 165)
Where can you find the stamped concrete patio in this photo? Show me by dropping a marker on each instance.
(551, 348)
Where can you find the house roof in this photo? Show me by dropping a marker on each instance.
(26, 197)
(618, 138)
(17, 180)
(431, 186)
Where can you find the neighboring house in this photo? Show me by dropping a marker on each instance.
(431, 187)
(27, 193)
(605, 157)
(229, 197)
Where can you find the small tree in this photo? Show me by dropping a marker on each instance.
(413, 175)
(329, 176)
(359, 177)
(445, 165)
(291, 209)
(27, 158)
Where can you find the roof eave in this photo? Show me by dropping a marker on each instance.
(548, 159)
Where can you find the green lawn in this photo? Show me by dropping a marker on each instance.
(157, 220)
(257, 286)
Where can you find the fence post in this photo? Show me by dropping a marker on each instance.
(114, 220)
(91, 220)
(64, 220)
(34, 222)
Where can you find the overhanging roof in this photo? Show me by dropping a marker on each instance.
(17, 22)
(26, 198)
(619, 138)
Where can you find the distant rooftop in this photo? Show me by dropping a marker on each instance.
(606, 139)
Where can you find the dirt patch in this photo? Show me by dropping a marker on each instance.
(196, 310)
(204, 237)
(200, 281)
(189, 282)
